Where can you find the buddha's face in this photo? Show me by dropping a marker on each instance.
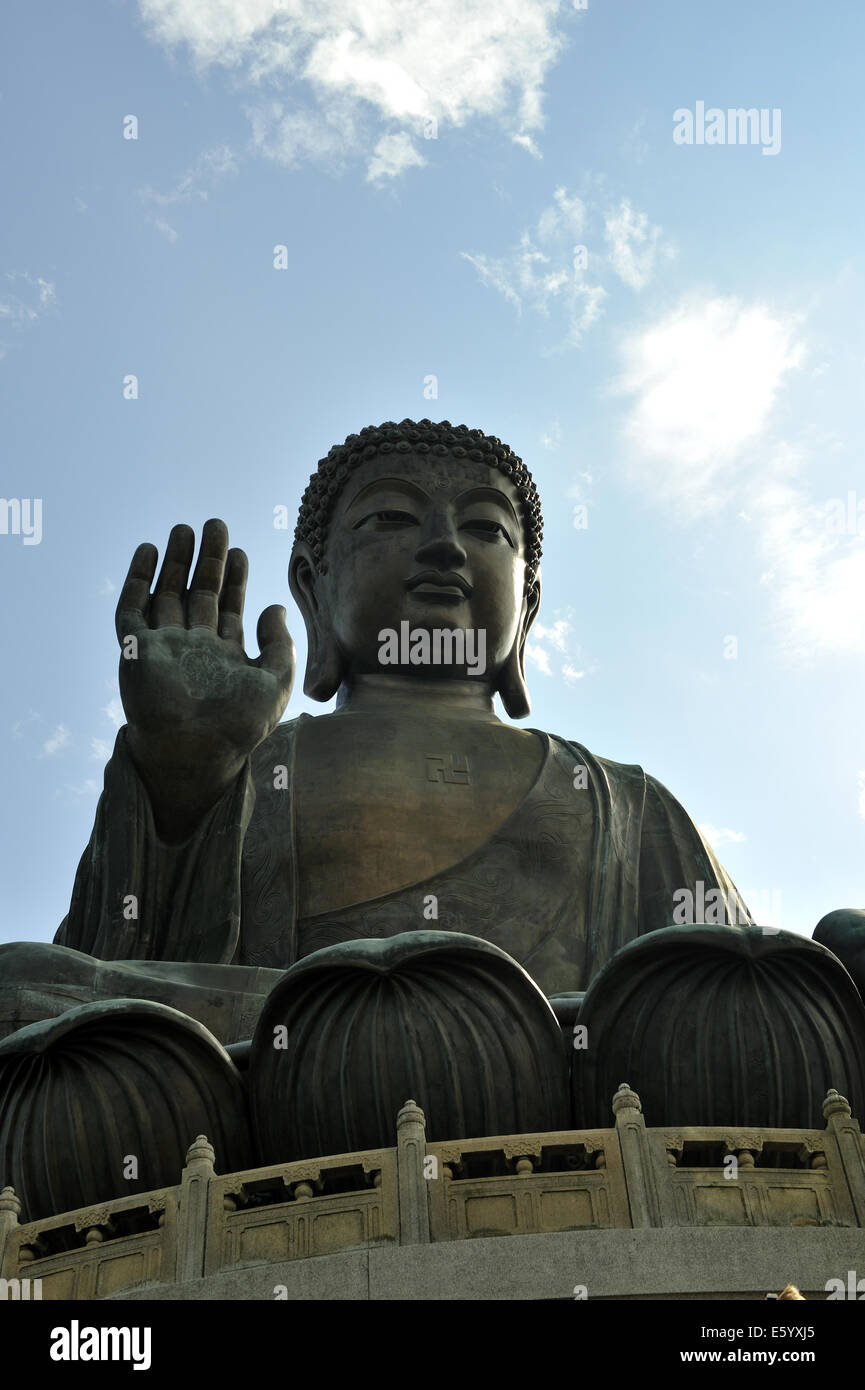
(435, 542)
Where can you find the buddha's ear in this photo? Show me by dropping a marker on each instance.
(511, 684)
(324, 661)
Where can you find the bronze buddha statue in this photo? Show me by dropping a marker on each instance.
(230, 848)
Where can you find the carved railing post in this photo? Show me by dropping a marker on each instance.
(414, 1224)
(637, 1158)
(840, 1121)
(10, 1210)
(192, 1216)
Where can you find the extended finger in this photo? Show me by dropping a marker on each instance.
(131, 613)
(275, 644)
(167, 606)
(232, 596)
(202, 601)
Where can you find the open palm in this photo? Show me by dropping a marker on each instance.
(193, 699)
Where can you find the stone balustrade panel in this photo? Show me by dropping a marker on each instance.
(249, 1224)
(562, 1181)
(97, 1261)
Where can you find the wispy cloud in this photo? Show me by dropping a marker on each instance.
(527, 143)
(717, 838)
(553, 645)
(24, 299)
(59, 739)
(634, 245)
(556, 635)
(100, 749)
(544, 270)
(292, 135)
(21, 724)
(558, 262)
(356, 74)
(538, 657)
(195, 186)
(814, 577)
(114, 711)
(86, 788)
(572, 675)
(393, 155)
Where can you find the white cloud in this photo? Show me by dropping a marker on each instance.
(86, 788)
(551, 643)
(704, 381)
(165, 228)
(496, 275)
(815, 578)
(565, 217)
(552, 438)
(295, 136)
(538, 657)
(59, 739)
(361, 66)
(633, 245)
(114, 711)
(527, 143)
(550, 263)
(100, 749)
(543, 270)
(717, 838)
(392, 155)
(571, 674)
(556, 635)
(31, 297)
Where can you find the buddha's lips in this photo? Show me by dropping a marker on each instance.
(451, 585)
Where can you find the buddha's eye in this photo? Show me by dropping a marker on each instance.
(388, 519)
(488, 529)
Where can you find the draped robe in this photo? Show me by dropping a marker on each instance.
(210, 925)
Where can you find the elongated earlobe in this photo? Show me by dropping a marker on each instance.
(511, 684)
(324, 665)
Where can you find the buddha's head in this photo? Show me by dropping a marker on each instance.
(433, 525)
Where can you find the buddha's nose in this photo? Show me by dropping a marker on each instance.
(440, 546)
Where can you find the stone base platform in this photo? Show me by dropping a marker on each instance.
(672, 1263)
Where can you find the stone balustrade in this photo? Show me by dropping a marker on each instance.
(424, 1193)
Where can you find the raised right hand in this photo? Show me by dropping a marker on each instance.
(195, 703)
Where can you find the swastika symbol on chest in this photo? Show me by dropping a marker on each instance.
(448, 767)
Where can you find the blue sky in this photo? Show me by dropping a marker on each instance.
(692, 378)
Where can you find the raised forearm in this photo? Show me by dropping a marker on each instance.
(182, 790)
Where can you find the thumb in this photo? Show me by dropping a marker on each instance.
(275, 644)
